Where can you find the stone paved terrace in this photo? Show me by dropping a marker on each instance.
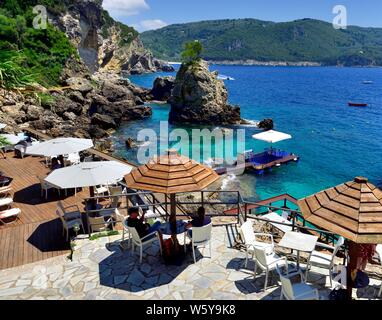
(101, 270)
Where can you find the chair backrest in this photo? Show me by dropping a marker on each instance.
(247, 232)
(261, 256)
(378, 249)
(287, 287)
(134, 234)
(61, 208)
(339, 244)
(285, 215)
(58, 213)
(202, 234)
(119, 217)
(97, 224)
(286, 282)
(114, 192)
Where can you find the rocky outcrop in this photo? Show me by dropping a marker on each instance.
(162, 88)
(199, 97)
(90, 108)
(104, 44)
(266, 124)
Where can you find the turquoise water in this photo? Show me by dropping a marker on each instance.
(335, 142)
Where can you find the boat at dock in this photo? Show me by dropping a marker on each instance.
(267, 160)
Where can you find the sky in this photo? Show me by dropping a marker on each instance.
(153, 14)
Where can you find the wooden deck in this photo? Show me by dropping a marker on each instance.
(37, 234)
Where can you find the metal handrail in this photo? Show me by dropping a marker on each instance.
(240, 204)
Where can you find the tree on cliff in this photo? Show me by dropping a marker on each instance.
(192, 52)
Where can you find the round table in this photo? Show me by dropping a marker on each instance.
(165, 228)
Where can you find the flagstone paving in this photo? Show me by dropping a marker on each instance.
(102, 270)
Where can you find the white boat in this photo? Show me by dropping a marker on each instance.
(223, 77)
(367, 82)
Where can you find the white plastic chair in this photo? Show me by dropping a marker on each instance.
(101, 191)
(5, 191)
(295, 291)
(10, 213)
(251, 240)
(73, 158)
(323, 260)
(266, 262)
(200, 236)
(115, 195)
(379, 252)
(141, 242)
(122, 219)
(6, 202)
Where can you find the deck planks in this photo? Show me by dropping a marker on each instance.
(37, 234)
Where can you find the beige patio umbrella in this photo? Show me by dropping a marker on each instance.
(170, 174)
(352, 210)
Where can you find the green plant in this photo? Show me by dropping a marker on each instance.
(103, 234)
(45, 100)
(192, 52)
(13, 74)
(4, 142)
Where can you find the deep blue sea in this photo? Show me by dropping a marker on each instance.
(335, 142)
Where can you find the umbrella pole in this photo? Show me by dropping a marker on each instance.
(92, 201)
(173, 213)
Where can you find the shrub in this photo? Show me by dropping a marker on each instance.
(13, 73)
(192, 52)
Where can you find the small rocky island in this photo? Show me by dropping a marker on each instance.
(198, 96)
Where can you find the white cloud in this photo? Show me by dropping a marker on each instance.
(125, 7)
(151, 24)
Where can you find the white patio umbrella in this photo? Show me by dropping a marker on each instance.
(272, 136)
(59, 146)
(88, 174)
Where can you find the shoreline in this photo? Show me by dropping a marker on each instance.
(256, 63)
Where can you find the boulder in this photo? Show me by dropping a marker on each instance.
(162, 88)
(130, 143)
(199, 97)
(104, 121)
(137, 113)
(80, 84)
(63, 104)
(69, 116)
(266, 124)
(34, 112)
(114, 92)
(76, 96)
(96, 132)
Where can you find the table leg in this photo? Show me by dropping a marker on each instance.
(298, 259)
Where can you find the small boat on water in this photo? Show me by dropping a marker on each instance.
(224, 77)
(355, 104)
(367, 82)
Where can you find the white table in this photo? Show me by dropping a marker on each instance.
(299, 242)
(273, 216)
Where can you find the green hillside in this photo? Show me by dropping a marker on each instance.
(30, 55)
(250, 39)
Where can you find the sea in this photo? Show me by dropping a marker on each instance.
(335, 142)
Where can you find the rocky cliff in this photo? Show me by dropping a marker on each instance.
(90, 108)
(199, 97)
(104, 44)
(80, 103)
